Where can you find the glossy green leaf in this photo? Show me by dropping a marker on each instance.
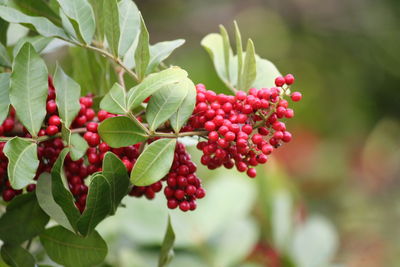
(266, 74)
(142, 53)
(4, 95)
(67, 96)
(166, 102)
(154, 162)
(152, 83)
(167, 248)
(227, 50)
(160, 51)
(22, 162)
(71, 250)
(78, 146)
(16, 256)
(111, 25)
(120, 132)
(117, 176)
(29, 88)
(98, 6)
(38, 8)
(249, 68)
(38, 42)
(115, 100)
(129, 23)
(4, 58)
(23, 220)
(239, 52)
(98, 204)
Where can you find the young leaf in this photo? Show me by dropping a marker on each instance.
(154, 162)
(239, 52)
(160, 51)
(116, 174)
(23, 220)
(38, 42)
(4, 96)
(81, 16)
(266, 74)
(22, 162)
(98, 205)
(115, 100)
(16, 256)
(98, 6)
(68, 93)
(142, 53)
(71, 250)
(38, 8)
(167, 248)
(152, 83)
(249, 68)
(111, 25)
(4, 58)
(227, 50)
(120, 132)
(179, 118)
(78, 146)
(28, 89)
(129, 23)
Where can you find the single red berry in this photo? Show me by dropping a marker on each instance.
(251, 172)
(296, 96)
(213, 136)
(51, 107)
(184, 206)
(280, 81)
(51, 130)
(289, 79)
(8, 194)
(172, 204)
(54, 120)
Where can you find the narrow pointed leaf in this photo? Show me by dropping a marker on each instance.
(16, 256)
(227, 50)
(115, 100)
(167, 248)
(4, 96)
(179, 118)
(4, 58)
(142, 53)
(249, 68)
(78, 146)
(129, 23)
(160, 51)
(239, 52)
(154, 162)
(111, 25)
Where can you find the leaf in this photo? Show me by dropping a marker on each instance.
(249, 68)
(115, 100)
(142, 53)
(4, 96)
(67, 25)
(98, 205)
(38, 8)
(239, 52)
(38, 42)
(167, 252)
(28, 89)
(111, 25)
(98, 6)
(71, 250)
(129, 23)
(68, 93)
(3, 31)
(22, 220)
(42, 25)
(81, 16)
(152, 83)
(46, 201)
(78, 146)
(160, 51)
(166, 102)
(120, 132)
(179, 118)
(117, 176)
(16, 256)
(227, 50)
(154, 162)
(4, 58)
(266, 74)
(22, 162)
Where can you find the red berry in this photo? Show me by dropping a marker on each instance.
(54, 120)
(8, 194)
(251, 172)
(296, 96)
(51, 107)
(289, 79)
(184, 206)
(51, 130)
(280, 81)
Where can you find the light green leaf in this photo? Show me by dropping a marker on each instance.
(115, 100)
(98, 6)
(227, 50)
(71, 250)
(166, 102)
(120, 132)
(38, 8)
(67, 96)
(22, 162)
(16, 256)
(4, 58)
(167, 248)
(4, 96)
(160, 51)
(239, 52)
(67, 25)
(152, 83)
(111, 25)
(78, 146)
(129, 23)
(142, 53)
(116, 174)
(38, 42)
(249, 68)
(28, 89)
(266, 74)
(154, 162)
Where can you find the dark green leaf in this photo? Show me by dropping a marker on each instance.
(16, 256)
(249, 68)
(129, 23)
(3, 31)
(98, 6)
(38, 8)
(78, 146)
(4, 58)
(167, 248)
(227, 50)
(38, 42)
(111, 25)
(239, 52)
(115, 100)
(71, 250)
(4, 95)
(142, 53)
(160, 51)
(154, 162)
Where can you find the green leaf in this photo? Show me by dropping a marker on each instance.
(81, 16)
(111, 25)
(16, 256)
(116, 174)
(38, 42)
(167, 248)
(98, 204)
(179, 118)
(98, 6)
(266, 74)
(78, 146)
(227, 50)
(68, 93)
(28, 89)
(115, 100)
(4, 96)
(120, 132)
(38, 8)
(23, 220)
(166, 102)
(44, 194)
(22, 162)
(160, 51)
(3, 31)
(154, 162)
(129, 23)
(67, 25)
(42, 25)
(239, 52)
(142, 53)
(4, 58)
(71, 250)
(249, 68)
(152, 83)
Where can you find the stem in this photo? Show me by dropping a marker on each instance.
(121, 80)
(45, 137)
(175, 135)
(132, 117)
